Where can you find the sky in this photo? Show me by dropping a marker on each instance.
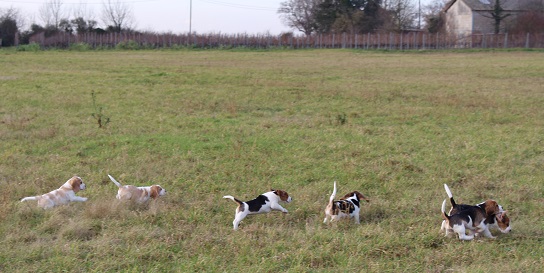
(224, 16)
(177, 16)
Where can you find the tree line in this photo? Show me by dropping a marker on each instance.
(371, 16)
(307, 16)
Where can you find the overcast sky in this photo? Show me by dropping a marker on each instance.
(225, 16)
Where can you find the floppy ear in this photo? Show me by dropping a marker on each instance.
(154, 191)
(75, 182)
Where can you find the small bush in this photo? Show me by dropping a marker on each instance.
(32, 47)
(80, 47)
(130, 44)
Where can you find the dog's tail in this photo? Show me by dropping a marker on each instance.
(233, 199)
(333, 195)
(444, 215)
(30, 198)
(115, 181)
(452, 201)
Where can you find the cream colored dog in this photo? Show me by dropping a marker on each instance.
(137, 194)
(63, 195)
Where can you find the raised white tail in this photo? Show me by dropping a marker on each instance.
(233, 199)
(115, 181)
(333, 195)
(29, 198)
(444, 215)
(448, 191)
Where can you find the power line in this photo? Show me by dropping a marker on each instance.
(239, 6)
(77, 3)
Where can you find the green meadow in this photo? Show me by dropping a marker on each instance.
(203, 124)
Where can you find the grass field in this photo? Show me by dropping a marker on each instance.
(203, 124)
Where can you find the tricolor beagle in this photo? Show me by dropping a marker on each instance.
(347, 206)
(137, 194)
(472, 219)
(65, 194)
(264, 203)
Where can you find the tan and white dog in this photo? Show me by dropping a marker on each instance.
(473, 220)
(63, 195)
(347, 206)
(264, 203)
(137, 194)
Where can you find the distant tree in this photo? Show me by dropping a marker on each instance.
(433, 16)
(299, 14)
(117, 15)
(83, 21)
(373, 16)
(51, 13)
(9, 26)
(354, 16)
(66, 26)
(403, 14)
(531, 21)
(498, 14)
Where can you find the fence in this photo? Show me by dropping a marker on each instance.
(389, 41)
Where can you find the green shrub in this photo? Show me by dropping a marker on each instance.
(129, 44)
(33, 47)
(80, 47)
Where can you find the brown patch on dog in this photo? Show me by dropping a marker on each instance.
(491, 207)
(359, 195)
(284, 196)
(154, 191)
(342, 206)
(76, 182)
(503, 221)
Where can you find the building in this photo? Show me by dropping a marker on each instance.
(466, 17)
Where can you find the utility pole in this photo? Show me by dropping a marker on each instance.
(190, 15)
(419, 15)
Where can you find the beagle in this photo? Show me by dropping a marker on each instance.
(471, 219)
(264, 203)
(65, 194)
(137, 194)
(347, 206)
(499, 221)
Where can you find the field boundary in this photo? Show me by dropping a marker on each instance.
(388, 41)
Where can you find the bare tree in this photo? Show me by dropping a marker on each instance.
(434, 16)
(51, 13)
(498, 14)
(84, 20)
(299, 14)
(10, 22)
(403, 14)
(117, 15)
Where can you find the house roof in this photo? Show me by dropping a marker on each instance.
(485, 5)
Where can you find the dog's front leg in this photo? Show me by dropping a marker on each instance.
(488, 234)
(79, 199)
(356, 217)
(277, 206)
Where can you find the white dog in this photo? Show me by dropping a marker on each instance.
(264, 203)
(137, 194)
(347, 206)
(65, 194)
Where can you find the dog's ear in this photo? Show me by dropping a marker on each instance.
(492, 207)
(154, 191)
(361, 196)
(75, 182)
(272, 190)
